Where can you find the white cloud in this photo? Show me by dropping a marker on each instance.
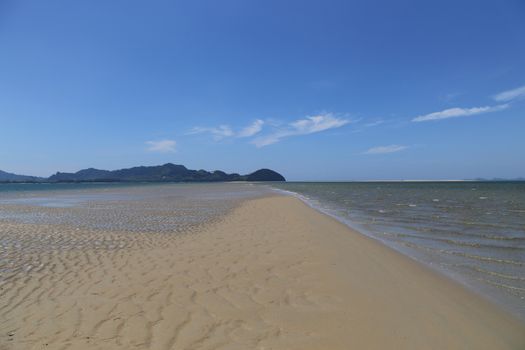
(308, 125)
(251, 129)
(269, 139)
(225, 131)
(510, 94)
(163, 146)
(385, 149)
(218, 133)
(317, 123)
(459, 112)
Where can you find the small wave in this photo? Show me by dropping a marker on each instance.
(504, 286)
(450, 232)
(453, 242)
(497, 274)
(487, 258)
(463, 254)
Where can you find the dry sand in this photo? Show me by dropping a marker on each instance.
(274, 274)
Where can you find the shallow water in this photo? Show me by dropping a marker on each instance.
(141, 208)
(472, 231)
(38, 220)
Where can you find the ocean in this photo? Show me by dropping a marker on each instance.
(473, 232)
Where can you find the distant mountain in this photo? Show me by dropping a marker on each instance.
(163, 173)
(4, 176)
(82, 175)
(265, 175)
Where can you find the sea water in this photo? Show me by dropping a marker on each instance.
(472, 231)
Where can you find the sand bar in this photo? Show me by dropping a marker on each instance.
(273, 274)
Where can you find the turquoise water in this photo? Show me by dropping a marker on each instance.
(472, 231)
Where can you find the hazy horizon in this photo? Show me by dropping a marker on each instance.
(318, 91)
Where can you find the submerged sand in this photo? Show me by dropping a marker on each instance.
(273, 274)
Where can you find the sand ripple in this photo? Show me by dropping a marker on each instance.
(156, 291)
(273, 275)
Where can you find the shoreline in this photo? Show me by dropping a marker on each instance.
(302, 280)
(455, 277)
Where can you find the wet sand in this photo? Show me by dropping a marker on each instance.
(273, 274)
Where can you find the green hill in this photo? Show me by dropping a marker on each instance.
(163, 173)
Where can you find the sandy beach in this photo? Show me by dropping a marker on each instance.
(272, 274)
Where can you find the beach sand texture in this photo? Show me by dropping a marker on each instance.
(273, 274)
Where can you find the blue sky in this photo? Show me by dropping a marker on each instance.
(317, 90)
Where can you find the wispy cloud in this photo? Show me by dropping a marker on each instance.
(385, 149)
(459, 112)
(510, 95)
(218, 133)
(251, 129)
(308, 125)
(162, 146)
(374, 123)
(276, 129)
(225, 131)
